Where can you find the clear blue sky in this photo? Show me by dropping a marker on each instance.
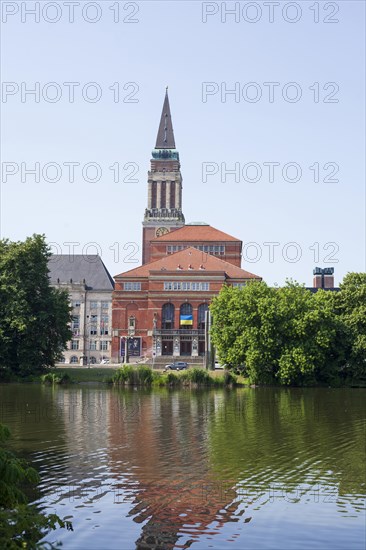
(169, 44)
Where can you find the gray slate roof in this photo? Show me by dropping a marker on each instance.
(79, 267)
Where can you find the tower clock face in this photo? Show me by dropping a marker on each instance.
(161, 231)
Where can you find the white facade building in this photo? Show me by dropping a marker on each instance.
(90, 287)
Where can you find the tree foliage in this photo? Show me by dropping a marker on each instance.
(21, 525)
(34, 317)
(351, 302)
(290, 335)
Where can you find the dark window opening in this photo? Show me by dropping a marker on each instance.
(153, 194)
(172, 194)
(167, 316)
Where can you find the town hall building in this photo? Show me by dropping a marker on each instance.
(160, 309)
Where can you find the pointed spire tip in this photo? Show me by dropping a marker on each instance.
(165, 137)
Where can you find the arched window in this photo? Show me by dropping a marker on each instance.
(201, 321)
(167, 316)
(74, 359)
(186, 316)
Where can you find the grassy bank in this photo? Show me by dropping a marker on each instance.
(84, 374)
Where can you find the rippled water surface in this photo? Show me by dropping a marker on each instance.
(256, 468)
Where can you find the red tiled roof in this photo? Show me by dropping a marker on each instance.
(191, 233)
(190, 260)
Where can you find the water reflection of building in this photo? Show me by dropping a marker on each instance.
(163, 437)
(187, 464)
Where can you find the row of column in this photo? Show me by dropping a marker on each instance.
(168, 188)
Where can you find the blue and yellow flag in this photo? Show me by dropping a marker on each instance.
(186, 319)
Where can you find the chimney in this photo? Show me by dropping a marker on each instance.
(318, 277)
(323, 278)
(328, 277)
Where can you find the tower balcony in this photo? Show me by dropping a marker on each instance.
(162, 214)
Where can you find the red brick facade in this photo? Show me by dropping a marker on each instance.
(150, 301)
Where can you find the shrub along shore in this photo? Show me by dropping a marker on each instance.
(129, 375)
(145, 376)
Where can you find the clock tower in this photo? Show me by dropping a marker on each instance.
(164, 200)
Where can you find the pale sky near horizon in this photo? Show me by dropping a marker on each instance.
(136, 49)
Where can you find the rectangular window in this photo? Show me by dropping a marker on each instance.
(172, 248)
(76, 303)
(104, 328)
(75, 323)
(239, 285)
(105, 305)
(74, 344)
(135, 287)
(215, 249)
(186, 285)
(93, 330)
(93, 305)
(103, 345)
(93, 345)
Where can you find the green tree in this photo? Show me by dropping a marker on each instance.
(21, 525)
(286, 335)
(34, 317)
(351, 303)
(312, 344)
(244, 328)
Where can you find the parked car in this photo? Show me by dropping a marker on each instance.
(104, 362)
(218, 366)
(178, 365)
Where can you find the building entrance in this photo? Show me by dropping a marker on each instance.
(201, 347)
(167, 347)
(186, 347)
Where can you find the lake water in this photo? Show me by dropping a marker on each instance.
(263, 468)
